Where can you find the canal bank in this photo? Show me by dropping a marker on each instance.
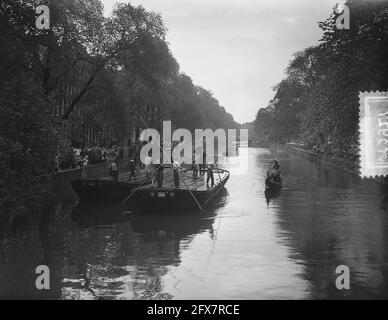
(337, 163)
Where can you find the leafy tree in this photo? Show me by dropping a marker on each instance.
(318, 100)
(121, 65)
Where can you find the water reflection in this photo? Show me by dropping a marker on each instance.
(251, 244)
(127, 254)
(330, 218)
(271, 194)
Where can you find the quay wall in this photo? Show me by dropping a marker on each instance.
(337, 163)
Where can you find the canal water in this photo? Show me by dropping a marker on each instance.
(248, 245)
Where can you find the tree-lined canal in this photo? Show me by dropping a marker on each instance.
(246, 247)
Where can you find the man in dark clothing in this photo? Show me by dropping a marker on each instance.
(175, 168)
(114, 169)
(275, 172)
(210, 175)
(132, 168)
(159, 176)
(202, 167)
(194, 167)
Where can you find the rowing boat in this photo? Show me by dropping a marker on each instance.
(273, 182)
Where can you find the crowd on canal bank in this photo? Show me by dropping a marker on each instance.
(75, 158)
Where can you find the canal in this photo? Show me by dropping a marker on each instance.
(247, 246)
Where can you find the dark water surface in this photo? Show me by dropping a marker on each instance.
(246, 247)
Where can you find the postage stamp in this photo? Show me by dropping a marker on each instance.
(374, 134)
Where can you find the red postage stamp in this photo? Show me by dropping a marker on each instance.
(374, 134)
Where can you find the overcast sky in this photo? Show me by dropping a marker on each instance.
(238, 49)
